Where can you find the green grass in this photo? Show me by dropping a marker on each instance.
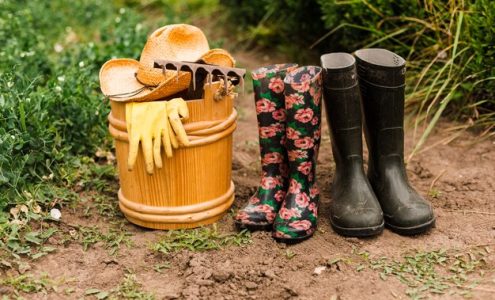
(433, 272)
(201, 239)
(428, 273)
(30, 284)
(128, 288)
(112, 240)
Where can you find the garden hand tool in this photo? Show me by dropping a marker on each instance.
(297, 218)
(208, 67)
(354, 209)
(382, 81)
(263, 206)
(151, 123)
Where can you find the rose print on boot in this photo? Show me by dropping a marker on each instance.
(296, 219)
(260, 212)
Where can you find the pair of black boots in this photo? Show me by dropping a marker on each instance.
(361, 205)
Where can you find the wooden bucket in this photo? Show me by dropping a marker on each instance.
(194, 187)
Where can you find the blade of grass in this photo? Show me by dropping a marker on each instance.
(456, 40)
(434, 83)
(386, 37)
(433, 122)
(343, 25)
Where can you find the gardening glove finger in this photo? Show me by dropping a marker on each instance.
(133, 152)
(133, 138)
(157, 147)
(173, 138)
(147, 146)
(177, 111)
(167, 145)
(145, 122)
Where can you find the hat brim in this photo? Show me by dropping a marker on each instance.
(118, 82)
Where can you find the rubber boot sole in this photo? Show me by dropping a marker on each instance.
(358, 232)
(254, 227)
(414, 230)
(292, 241)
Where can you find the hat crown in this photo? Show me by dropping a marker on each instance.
(180, 42)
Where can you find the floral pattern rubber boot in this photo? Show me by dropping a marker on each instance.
(260, 212)
(297, 218)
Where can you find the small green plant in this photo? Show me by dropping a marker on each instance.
(432, 272)
(28, 283)
(112, 240)
(201, 239)
(52, 114)
(18, 238)
(434, 192)
(290, 254)
(128, 288)
(99, 294)
(162, 266)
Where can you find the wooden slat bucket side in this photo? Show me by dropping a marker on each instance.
(194, 187)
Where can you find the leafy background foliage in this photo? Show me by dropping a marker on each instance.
(453, 38)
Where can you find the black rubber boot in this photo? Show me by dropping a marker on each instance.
(382, 81)
(354, 209)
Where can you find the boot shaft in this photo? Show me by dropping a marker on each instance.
(303, 104)
(268, 82)
(343, 107)
(268, 88)
(268, 85)
(382, 82)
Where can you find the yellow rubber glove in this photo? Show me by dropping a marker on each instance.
(145, 123)
(177, 111)
(152, 123)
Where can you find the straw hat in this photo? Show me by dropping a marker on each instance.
(124, 79)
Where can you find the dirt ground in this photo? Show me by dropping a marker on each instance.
(458, 178)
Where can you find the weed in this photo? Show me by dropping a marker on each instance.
(431, 272)
(434, 193)
(112, 240)
(201, 239)
(99, 294)
(290, 254)
(339, 263)
(19, 238)
(27, 283)
(128, 288)
(160, 267)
